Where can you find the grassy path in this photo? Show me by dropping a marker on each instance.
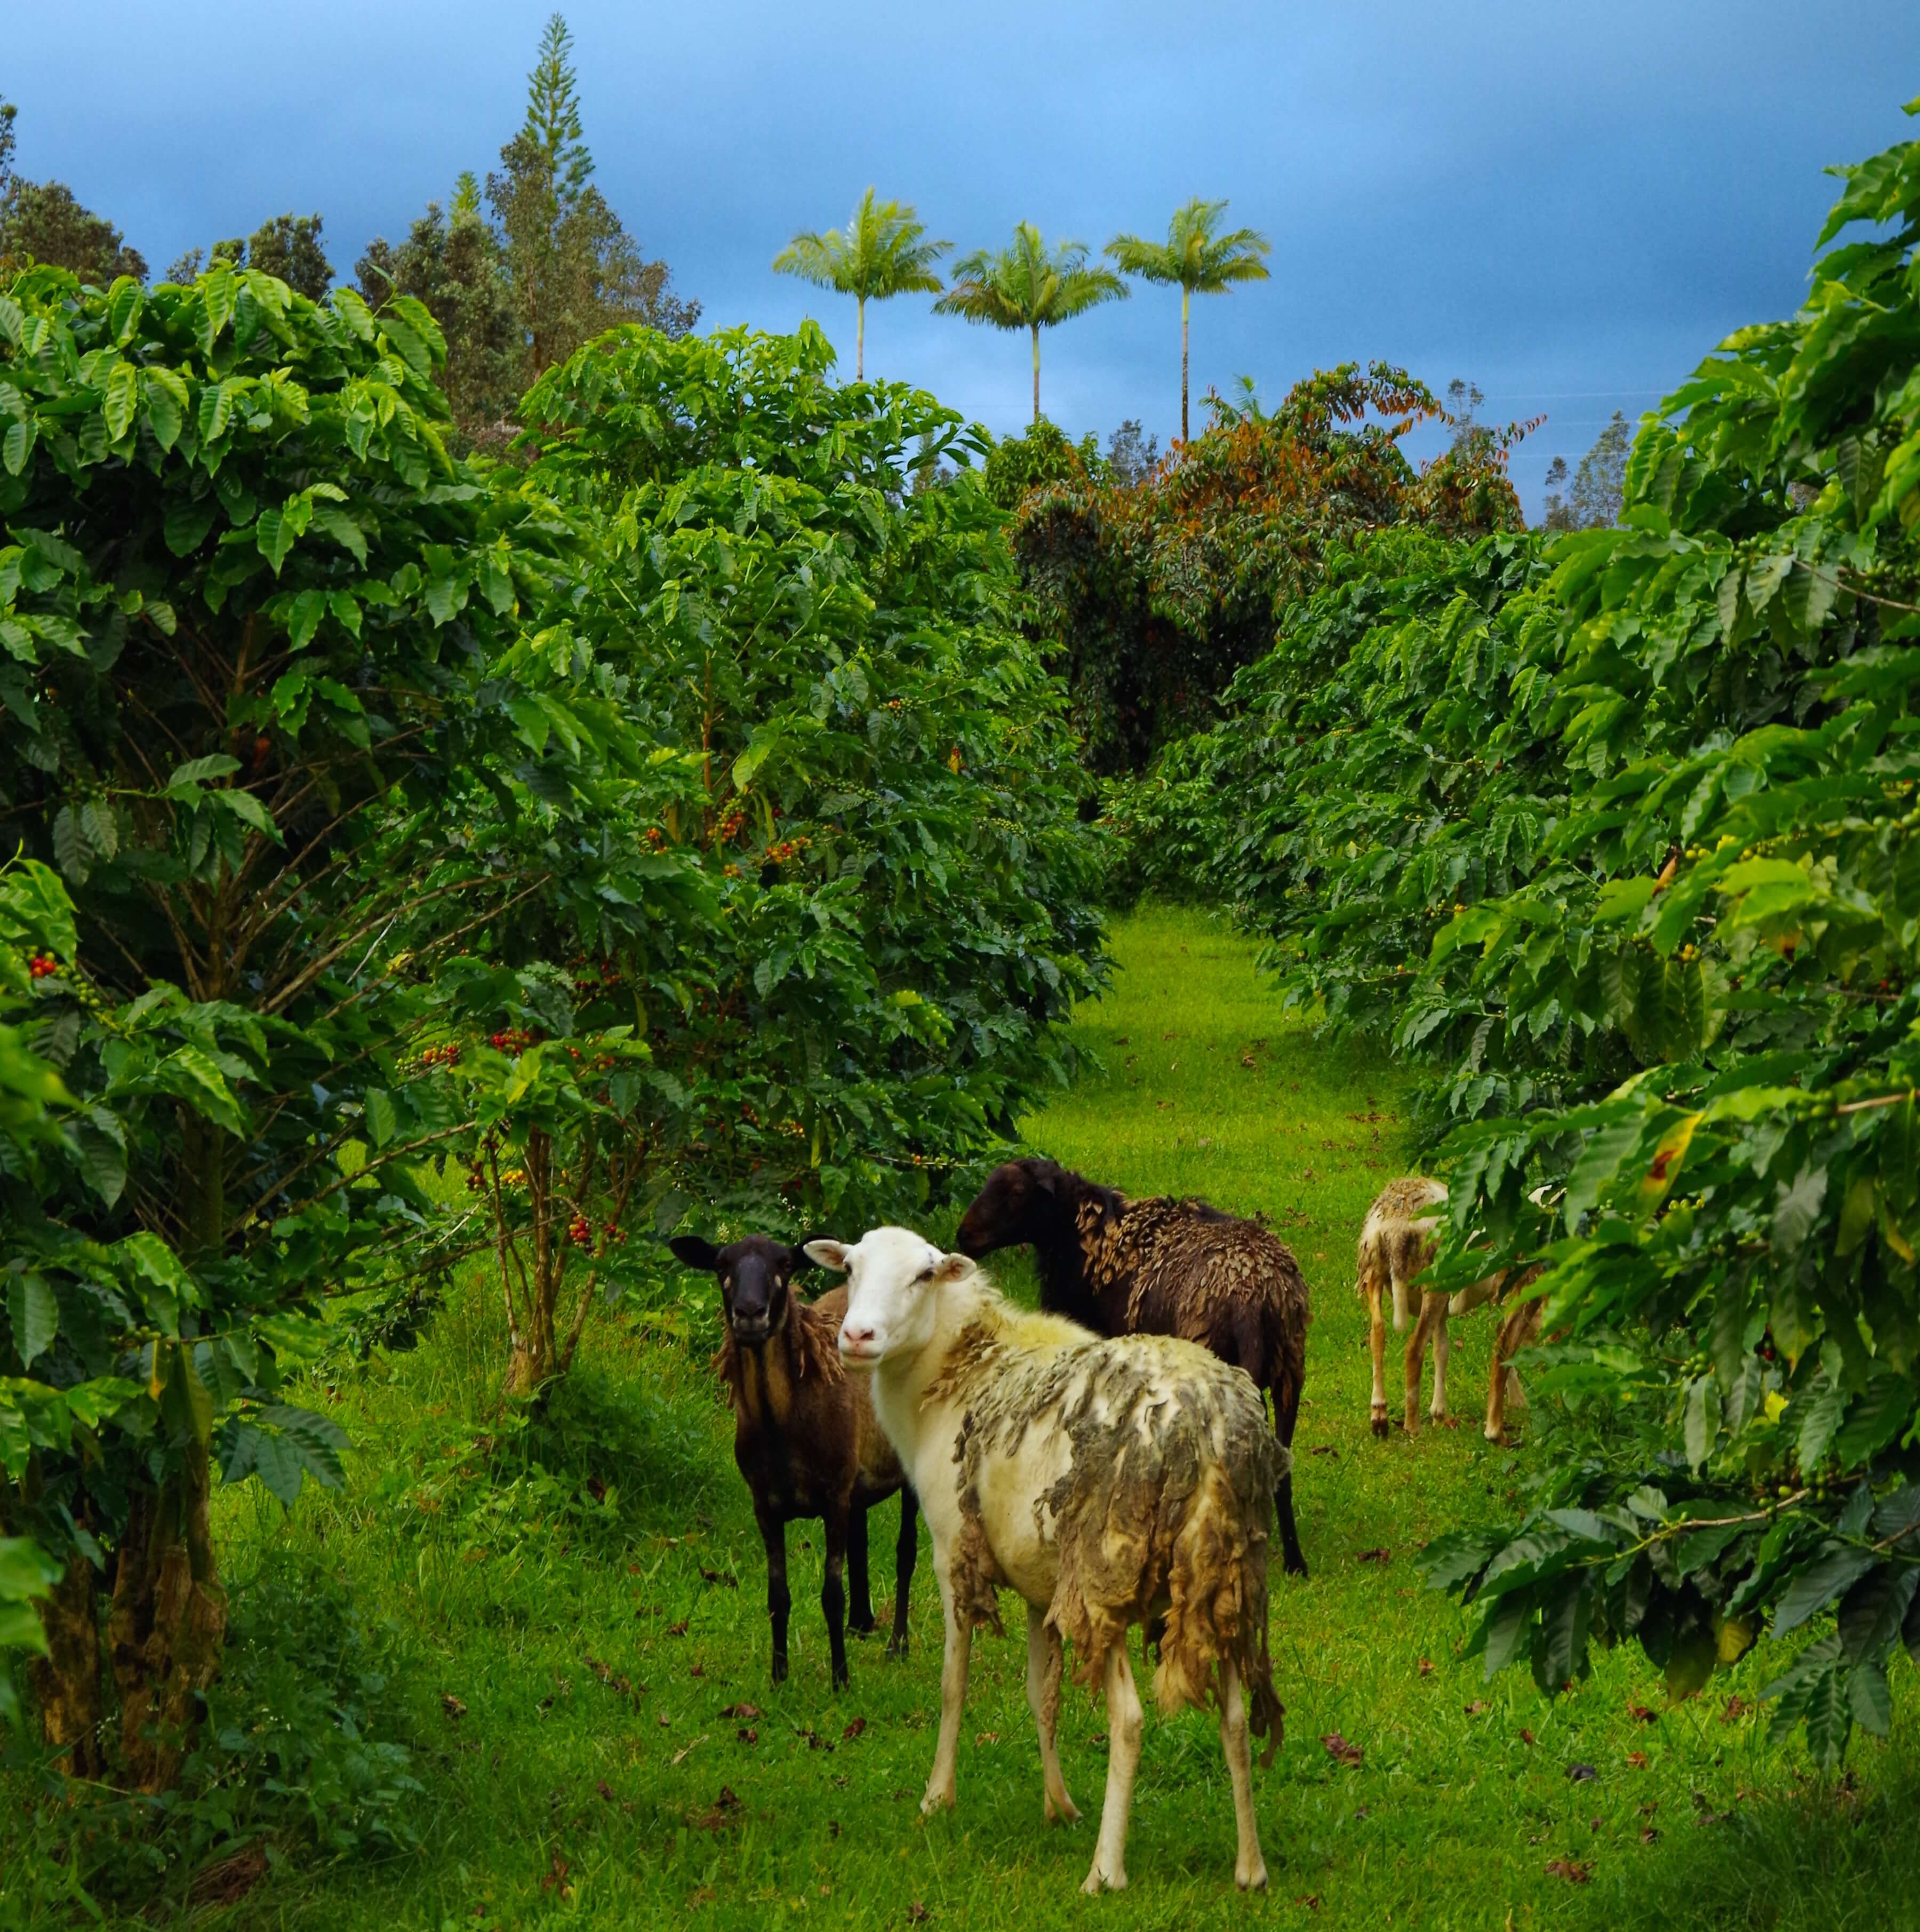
(594, 1766)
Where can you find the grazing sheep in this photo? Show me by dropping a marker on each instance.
(805, 1436)
(1108, 1481)
(1159, 1266)
(1396, 1243)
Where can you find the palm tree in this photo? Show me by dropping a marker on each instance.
(1025, 287)
(880, 253)
(1201, 261)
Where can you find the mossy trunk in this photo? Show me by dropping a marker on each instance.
(168, 1625)
(66, 1686)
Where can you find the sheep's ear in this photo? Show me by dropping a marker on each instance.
(1044, 1178)
(829, 1254)
(798, 1260)
(696, 1253)
(951, 1267)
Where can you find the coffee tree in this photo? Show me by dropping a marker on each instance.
(265, 649)
(861, 763)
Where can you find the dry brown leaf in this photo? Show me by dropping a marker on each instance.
(1340, 1750)
(1572, 1870)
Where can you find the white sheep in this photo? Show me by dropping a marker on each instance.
(1108, 1481)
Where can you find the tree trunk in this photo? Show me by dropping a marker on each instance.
(168, 1625)
(1036, 371)
(66, 1681)
(860, 344)
(533, 1356)
(1185, 300)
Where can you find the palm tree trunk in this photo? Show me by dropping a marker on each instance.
(1185, 300)
(1036, 371)
(860, 344)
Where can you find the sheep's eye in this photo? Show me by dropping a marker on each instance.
(925, 1273)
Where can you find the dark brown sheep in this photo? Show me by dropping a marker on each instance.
(804, 1437)
(1159, 1266)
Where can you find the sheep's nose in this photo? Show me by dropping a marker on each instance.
(851, 1337)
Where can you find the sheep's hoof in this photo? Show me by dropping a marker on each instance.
(1061, 1811)
(1253, 1880)
(1382, 1427)
(896, 1646)
(937, 1800)
(779, 1670)
(1098, 1882)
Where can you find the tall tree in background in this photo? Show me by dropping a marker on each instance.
(1197, 258)
(286, 247)
(1599, 484)
(881, 252)
(1028, 286)
(453, 262)
(572, 269)
(43, 221)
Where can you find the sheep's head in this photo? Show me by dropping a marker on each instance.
(894, 1277)
(1020, 1202)
(754, 1274)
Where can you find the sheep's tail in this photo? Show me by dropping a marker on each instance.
(1375, 1276)
(1218, 1587)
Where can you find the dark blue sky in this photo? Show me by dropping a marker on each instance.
(1567, 203)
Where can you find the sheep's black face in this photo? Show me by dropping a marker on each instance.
(1017, 1205)
(755, 1278)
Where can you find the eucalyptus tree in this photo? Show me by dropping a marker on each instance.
(881, 252)
(1028, 287)
(1197, 258)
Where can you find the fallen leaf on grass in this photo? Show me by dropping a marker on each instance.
(1310, 1900)
(555, 1879)
(916, 1913)
(1649, 1834)
(719, 1576)
(605, 1790)
(664, 1720)
(453, 1707)
(1581, 1773)
(1571, 1870)
(1340, 1750)
(748, 1735)
(1373, 1556)
(1427, 1667)
(1638, 1759)
(1736, 1709)
(1642, 1714)
(1325, 1449)
(986, 1737)
(679, 1629)
(853, 1730)
(1474, 1709)
(681, 1753)
(744, 1712)
(696, 1670)
(1526, 1736)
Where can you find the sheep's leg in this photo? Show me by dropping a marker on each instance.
(1125, 1724)
(1517, 1331)
(859, 1602)
(1443, 1349)
(1250, 1868)
(773, 1535)
(1043, 1663)
(904, 1553)
(1432, 1309)
(1286, 1414)
(832, 1590)
(1376, 1338)
(940, 1792)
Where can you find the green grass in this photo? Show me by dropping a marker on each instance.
(559, 1797)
